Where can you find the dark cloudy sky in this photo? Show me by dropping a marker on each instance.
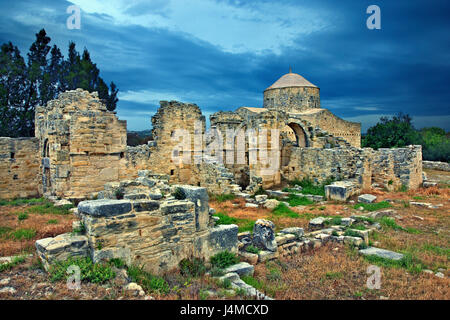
(222, 54)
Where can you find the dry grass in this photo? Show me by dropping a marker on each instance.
(329, 274)
(35, 221)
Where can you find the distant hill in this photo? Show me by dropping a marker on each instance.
(135, 138)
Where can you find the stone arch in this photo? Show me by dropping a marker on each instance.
(300, 134)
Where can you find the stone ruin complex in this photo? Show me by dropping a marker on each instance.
(80, 152)
(79, 146)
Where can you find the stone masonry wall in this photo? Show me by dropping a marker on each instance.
(292, 99)
(19, 168)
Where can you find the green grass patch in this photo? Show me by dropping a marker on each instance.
(223, 197)
(334, 221)
(194, 267)
(149, 282)
(90, 272)
(436, 249)
(373, 206)
(49, 208)
(333, 275)
(352, 233)
(224, 259)
(19, 202)
(390, 223)
(309, 187)
(282, 210)
(9, 265)
(255, 283)
(52, 221)
(243, 224)
(22, 216)
(295, 201)
(252, 249)
(23, 234)
(4, 231)
(358, 227)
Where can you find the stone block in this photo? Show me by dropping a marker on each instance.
(382, 253)
(366, 198)
(297, 231)
(340, 190)
(242, 269)
(104, 207)
(145, 205)
(263, 235)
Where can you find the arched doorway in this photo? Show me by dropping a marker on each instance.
(295, 131)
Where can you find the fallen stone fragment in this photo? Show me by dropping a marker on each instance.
(382, 253)
(104, 207)
(439, 275)
(367, 198)
(297, 231)
(251, 205)
(242, 269)
(429, 184)
(263, 235)
(271, 204)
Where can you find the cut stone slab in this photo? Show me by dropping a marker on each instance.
(347, 221)
(367, 198)
(61, 203)
(61, 248)
(382, 253)
(271, 204)
(340, 190)
(104, 207)
(232, 276)
(251, 258)
(242, 269)
(297, 231)
(251, 205)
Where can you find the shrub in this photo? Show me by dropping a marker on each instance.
(223, 197)
(252, 249)
(22, 216)
(90, 272)
(295, 201)
(390, 223)
(117, 262)
(179, 194)
(194, 267)
(224, 259)
(252, 282)
(148, 281)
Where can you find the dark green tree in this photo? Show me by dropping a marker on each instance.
(23, 86)
(397, 131)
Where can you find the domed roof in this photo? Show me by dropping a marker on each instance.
(291, 80)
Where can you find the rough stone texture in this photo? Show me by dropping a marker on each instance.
(297, 231)
(242, 269)
(263, 235)
(104, 208)
(382, 253)
(61, 248)
(340, 190)
(366, 198)
(19, 168)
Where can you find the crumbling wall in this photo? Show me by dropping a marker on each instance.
(321, 164)
(143, 229)
(19, 168)
(81, 143)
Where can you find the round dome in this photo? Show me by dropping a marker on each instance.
(291, 80)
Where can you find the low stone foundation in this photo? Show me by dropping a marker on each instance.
(436, 165)
(156, 234)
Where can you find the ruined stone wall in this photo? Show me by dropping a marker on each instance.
(178, 130)
(388, 168)
(19, 168)
(350, 131)
(81, 143)
(321, 164)
(292, 99)
(156, 234)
